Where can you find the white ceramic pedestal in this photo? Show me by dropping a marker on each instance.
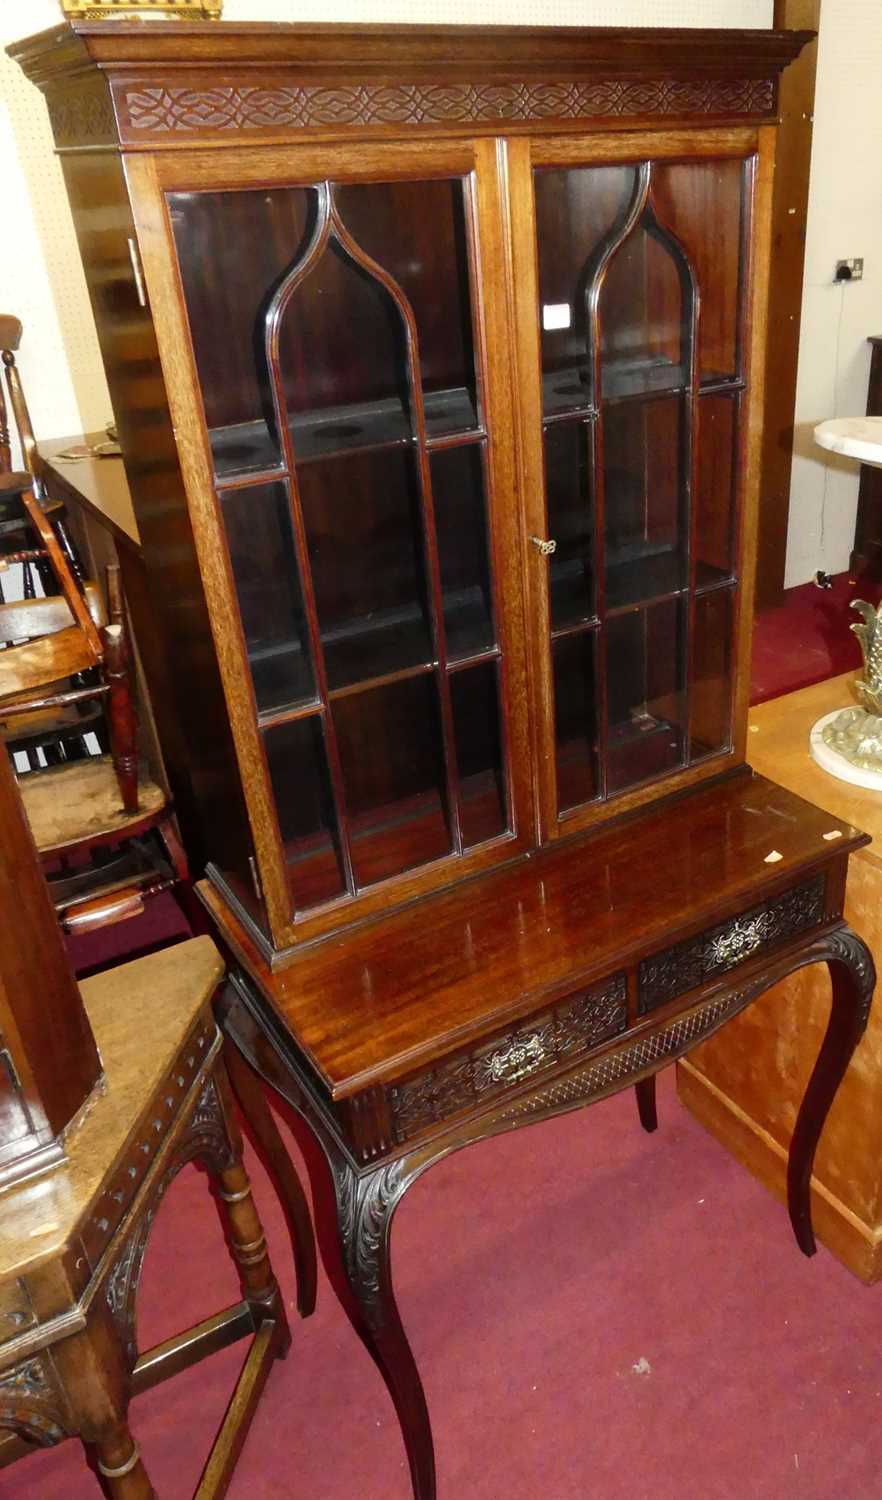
(837, 765)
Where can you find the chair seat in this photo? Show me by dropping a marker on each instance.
(69, 804)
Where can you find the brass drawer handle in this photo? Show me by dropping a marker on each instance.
(516, 1061)
(741, 939)
(545, 548)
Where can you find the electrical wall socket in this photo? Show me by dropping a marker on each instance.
(850, 270)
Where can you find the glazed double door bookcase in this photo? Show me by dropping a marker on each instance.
(469, 416)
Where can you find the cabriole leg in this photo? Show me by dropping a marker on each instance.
(354, 1239)
(853, 977)
(646, 1103)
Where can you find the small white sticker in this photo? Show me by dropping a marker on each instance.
(556, 315)
(772, 857)
(835, 833)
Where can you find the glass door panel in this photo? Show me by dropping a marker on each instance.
(392, 758)
(298, 770)
(461, 521)
(257, 521)
(718, 431)
(417, 231)
(345, 419)
(645, 469)
(475, 697)
(702, 203)
(646, 698)
(569, 491)
(640, 315)
(361, 514)
(710, 688)
(576, 684)
(578, 211)
(644, 309)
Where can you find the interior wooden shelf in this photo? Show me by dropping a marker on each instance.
(636, 578)
(371, 650)
(248, 450)
(568, 392)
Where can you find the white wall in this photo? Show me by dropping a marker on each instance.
(41, 280)
(845, 220)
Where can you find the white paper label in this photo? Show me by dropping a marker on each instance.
(556, 315)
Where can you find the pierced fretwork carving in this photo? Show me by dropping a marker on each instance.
(691, 963)
(616, 1068)
(575, 1025)
(161, 109)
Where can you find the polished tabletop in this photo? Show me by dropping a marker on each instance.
(98, 485)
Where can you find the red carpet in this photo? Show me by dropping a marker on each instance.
(535, 1272)
(806, 639)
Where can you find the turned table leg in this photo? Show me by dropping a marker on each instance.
(94, 1375)
(853, 977)
(243, 1228)
(119, 1464)
(261, 1126)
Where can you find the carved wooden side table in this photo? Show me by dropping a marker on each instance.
(531, 992)
(72, 1240)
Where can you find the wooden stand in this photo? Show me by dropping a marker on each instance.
(746, 1083)
(71, 1255)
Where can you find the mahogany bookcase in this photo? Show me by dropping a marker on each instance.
(436, 357)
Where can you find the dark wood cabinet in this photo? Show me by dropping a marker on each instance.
(49, 1062)
(865, 564)
(445, 485)
(437, 357)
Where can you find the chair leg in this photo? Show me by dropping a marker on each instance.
(121, 715)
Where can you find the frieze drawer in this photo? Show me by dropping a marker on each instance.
(573, 1026)
(689, 964)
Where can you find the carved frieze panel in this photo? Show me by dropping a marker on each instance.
(81, 113)
(613, 1071)
(162, 1117)
(170, 109)
(691, 963)
(575, 1025)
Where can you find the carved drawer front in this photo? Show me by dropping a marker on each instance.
(689, 964)
(566, 1030)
